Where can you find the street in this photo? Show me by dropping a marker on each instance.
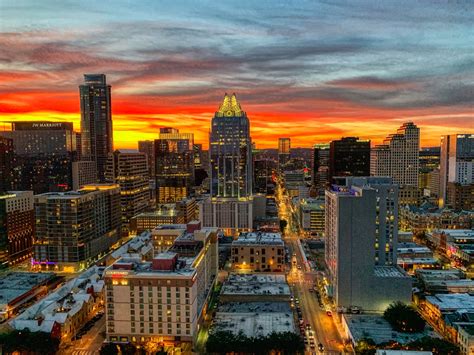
(90, 343)
(301, 279)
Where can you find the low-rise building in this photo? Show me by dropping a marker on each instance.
(232, 215)
(465, 338)
(164, 300)
(411, 256)
(258, 251)
(456, 244)
(64, 312)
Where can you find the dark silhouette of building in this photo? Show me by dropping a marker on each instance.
(349, 156)
(96, 121)
(6, 164)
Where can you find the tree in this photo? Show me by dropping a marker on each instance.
(109, 349)
(27, 341)
(283, 224)
(404, 318)
(365, 346)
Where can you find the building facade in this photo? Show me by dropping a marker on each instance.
(75, 228)
(128, 169)
(349, 156)
(6, 164)
(320, 168)
(284, 151)
(456, 163)
(361, 242)
(96, 121)
(148, 147)
(162, 301)
(230, 151)
(230, 214)
(174, 165)
(398, 156)
(17, 227)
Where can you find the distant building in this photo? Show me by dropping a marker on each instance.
(284, 151)
(128, 168)
(230, 214)
(173, 290)
(6, 164)
(398, 157)
(74, 228)
(45, 165)
(230, 149)
(17, 227)
(148, 147)
(457, 163)
(320, 168)
(174, 165)
(264, 168)
(312, 215)
(96, 121)
(84, 172)
(459, 196)
(258, 251)
(361, 240)
(349, 156)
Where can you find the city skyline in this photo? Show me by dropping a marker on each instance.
(310, 78)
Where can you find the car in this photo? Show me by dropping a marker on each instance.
(301, 321)
(320, 347)
(329, 313)
(308, 326)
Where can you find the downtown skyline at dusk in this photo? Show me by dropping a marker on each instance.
(319, 72)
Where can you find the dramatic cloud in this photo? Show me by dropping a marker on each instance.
(312, 70)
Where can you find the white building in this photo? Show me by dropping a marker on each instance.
(162, 301)
(361, 240)
(233, 215)
(398, 156)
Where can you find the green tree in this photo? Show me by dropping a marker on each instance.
(404, 318)
(283, 224)
(437, 346)
(365, 346)
(109, 349)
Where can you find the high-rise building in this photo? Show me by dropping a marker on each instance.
(96, 121)
(148, 147)
(6, 164)
(361, 243)
(84, 172)
(284, 150)
(398, 156)
(74, 228)
(17, 222)
(174, 165)
(456, 163)
(230, 151)
(349, 156)
(128, 168)
(173, 290)
(320, 168)
(44, 153)
(264, 168)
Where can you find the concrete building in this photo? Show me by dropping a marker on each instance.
(6, 164)
(398, 156)
(349, 156)
(361, 241)
(75, 228)
(312, 215)
(465, 338)
(164, 236)
(460, 197)
(456, 164)
(284, 151)
(258, 251)
(97, 140)
(320, 168)
(162, 301)
(128, 168)
(229, 214)
(17, 227)
(148, 148)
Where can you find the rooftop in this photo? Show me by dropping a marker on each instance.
(452, 301)
(259, 238)
(388, 271)
(256, 284)
(469, 328)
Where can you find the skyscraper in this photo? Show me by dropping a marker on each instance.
(128, 168)
(361, 243)
(320, 168)
(230, 151)
(174, 167)
(6, 164)
(96, 121)
(284, 150)
(148, 147)
(44, 153)
(398, 156)
(349, 156)
(456, 165)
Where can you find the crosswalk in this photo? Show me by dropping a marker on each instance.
(84, 352)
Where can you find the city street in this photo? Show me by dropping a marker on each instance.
(90, 343)
(301, 279)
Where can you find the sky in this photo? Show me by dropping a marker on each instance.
(310, 70)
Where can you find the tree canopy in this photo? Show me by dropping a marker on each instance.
(404, 318)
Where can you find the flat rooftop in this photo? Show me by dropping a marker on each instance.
(15, 284)
(388, 271)
(259, 238)
(254, 318)
(452, 302)
(377, 328)
(256, 284)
